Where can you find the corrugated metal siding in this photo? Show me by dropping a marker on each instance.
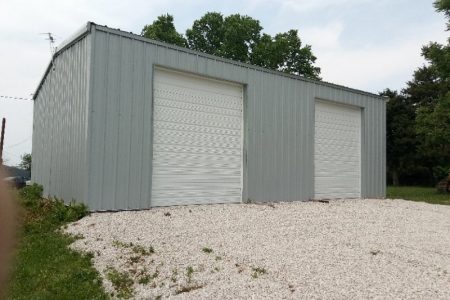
(279, 117)
(60, 125)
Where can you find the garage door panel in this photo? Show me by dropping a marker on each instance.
(185, 137)
(197, 140)
(196, 157)
(192, 171)
(167, 148)
(204, 104)
(337, 151)
(196, 118)
(192, 84)
(196, 128)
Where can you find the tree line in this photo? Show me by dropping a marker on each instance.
(418, 119)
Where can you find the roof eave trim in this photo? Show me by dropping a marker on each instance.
(67, 43)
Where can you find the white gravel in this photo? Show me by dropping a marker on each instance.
(341, 250)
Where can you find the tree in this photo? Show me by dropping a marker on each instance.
(164, 30)
(444, 6)
(25, 164)
(423, 111)
(285, 53)
(400, 136)
(207, 34)
(239, 37)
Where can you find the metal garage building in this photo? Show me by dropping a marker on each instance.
(123, 122)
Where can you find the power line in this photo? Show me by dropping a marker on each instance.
(15, 98)
(19, 143)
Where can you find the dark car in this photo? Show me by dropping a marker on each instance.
(17, 182)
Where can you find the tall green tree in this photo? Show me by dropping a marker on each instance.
(25, 163)
(433, 119)
(425, 103)
(284, 52)
(207, 34)
(163, 29)
(400, 136)
(418, 119)
(240, 38)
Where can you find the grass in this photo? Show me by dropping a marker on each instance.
(207, 250)
(142, 251)
(122, 282)
(257, 271)
(45, 268)
(415, 193)
(189, 273)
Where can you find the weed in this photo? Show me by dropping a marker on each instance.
(121, 282)
(120, 244)
(173, 278)
(134, 259)
(142, 251)
(207, 250)
(257, 271)
(187, 289)
(216, 269)
(78, 236)
(218, 258)
(375, 252)
(144, 279)
(189, 272)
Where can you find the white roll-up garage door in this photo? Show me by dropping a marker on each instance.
(197, 140)
(337, 151)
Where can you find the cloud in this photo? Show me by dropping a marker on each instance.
(323, 37)
(371, 67)
(314, 5)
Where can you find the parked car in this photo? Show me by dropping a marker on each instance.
(17, 182)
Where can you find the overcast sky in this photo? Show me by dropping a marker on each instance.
(364, 44)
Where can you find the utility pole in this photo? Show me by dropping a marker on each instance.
(2, 137)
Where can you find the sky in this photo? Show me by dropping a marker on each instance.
(365, 44)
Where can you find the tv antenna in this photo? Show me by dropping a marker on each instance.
(51, 39)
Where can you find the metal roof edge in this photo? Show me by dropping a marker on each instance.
(67, 43)
(230, 61)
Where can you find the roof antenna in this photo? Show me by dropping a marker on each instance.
(51, 40)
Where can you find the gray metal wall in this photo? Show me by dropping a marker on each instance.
(60, 125)
(279, 116)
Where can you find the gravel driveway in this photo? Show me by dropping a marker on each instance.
(344, 249)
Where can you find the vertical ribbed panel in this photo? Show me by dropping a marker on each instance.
(60, 125)
(116, 121)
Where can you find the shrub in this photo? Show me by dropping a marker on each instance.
(31, 194)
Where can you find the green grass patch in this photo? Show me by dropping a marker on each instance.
(207, 250)
(45, 268)
(143, 251)
(415, 193)
(257, 271)
(122, 282)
